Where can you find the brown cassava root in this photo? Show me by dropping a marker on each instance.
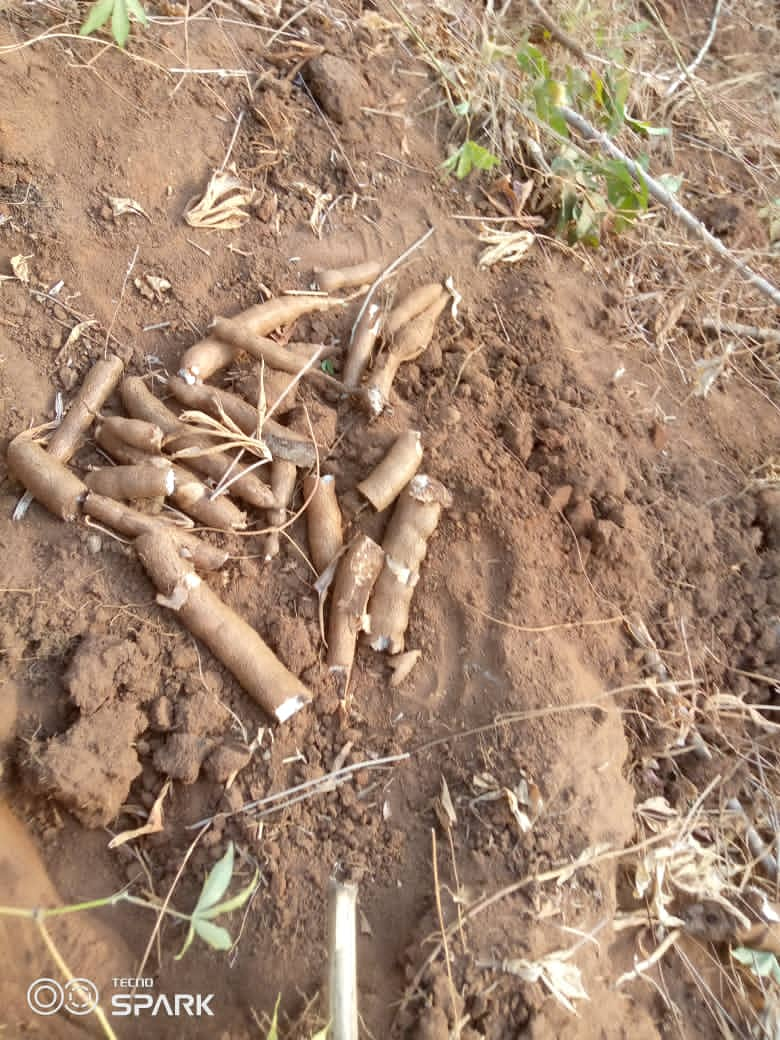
(356, 574)
(405, 544)
(217, 351)
(362, 346)
(189, 494)
(283, 478)
(385, 483)
(323, 520)
(46, 477)
(410, 342)
(417, 301)
(131, 523)
(282, 442)
(141, 403)
(335, 278)
(152, 479)
(232, 641)
(99, 383)
(134, 432)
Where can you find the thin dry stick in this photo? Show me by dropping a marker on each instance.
(689, 70)
(386, 274)
(232, 139)
(660, 194)
(437, 892)
(736, 328)
(128, 272)
(59, 960)
(546, 628)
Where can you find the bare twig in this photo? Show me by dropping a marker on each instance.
(689, 70)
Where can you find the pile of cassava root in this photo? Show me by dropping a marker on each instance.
(188, 463)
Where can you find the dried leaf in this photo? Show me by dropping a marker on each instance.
(562, 979)
(457, 297)
(20, 267)
(708, 371)
(120, 206)
(521, 819)
(153, 825)
(222, 205)
(506, 247)
(445, 810)
(74, 336)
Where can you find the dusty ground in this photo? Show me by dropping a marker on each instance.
(577, 506)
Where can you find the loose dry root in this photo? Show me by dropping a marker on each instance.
(323, 516)
(405, 544)
(357, 572)
(100, 382)
(394, 472)
(231, 640)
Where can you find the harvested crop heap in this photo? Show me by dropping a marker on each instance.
(210, 456)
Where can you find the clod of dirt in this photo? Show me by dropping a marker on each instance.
(182, 756)
(519, 435)
(104, 666)
(295, 647)
(201, 714)
(336, 86)
(91, 767)
(432, 1025)
(226, 760)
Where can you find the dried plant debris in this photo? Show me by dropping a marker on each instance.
(152, 287)
(121, 206)
(153, 825)
(222, 205)
(21, 268)
(504, 247)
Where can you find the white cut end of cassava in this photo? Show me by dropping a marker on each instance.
(403, 574)
(180, 594)
(381, 643)
(376, 401)
(189, 375)
(170, 482)
(426, 489)
(290, 707)
(22, 506)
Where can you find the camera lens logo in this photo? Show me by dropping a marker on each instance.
(46, 996)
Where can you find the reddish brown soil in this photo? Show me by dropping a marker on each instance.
(104, 694)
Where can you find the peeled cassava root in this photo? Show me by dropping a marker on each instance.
(231, 640)
(323, 520)
(217, 351)
(410, 342)
(405, 544)
(394, 472)
(356, 574)
(142, 404)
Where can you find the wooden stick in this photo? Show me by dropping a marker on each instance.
(342, 960)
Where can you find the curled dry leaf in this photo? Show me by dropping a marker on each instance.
(506, 247)
(121, 206)
(153, 825)
(445, 810)
(221, 206)
(457, 297)
(74, 336)
(21, 268)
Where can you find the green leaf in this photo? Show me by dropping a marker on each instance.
(760, 962)
(273, 1032)
(328, 366)
(135, 9)
(98, 15)
(640, 127)
(671, 181)
(235, 903)
(462, 109)
(322, 1034)
(468, 157)
(214, 934)
(216, 883)
(532, 61)
(120, 22)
